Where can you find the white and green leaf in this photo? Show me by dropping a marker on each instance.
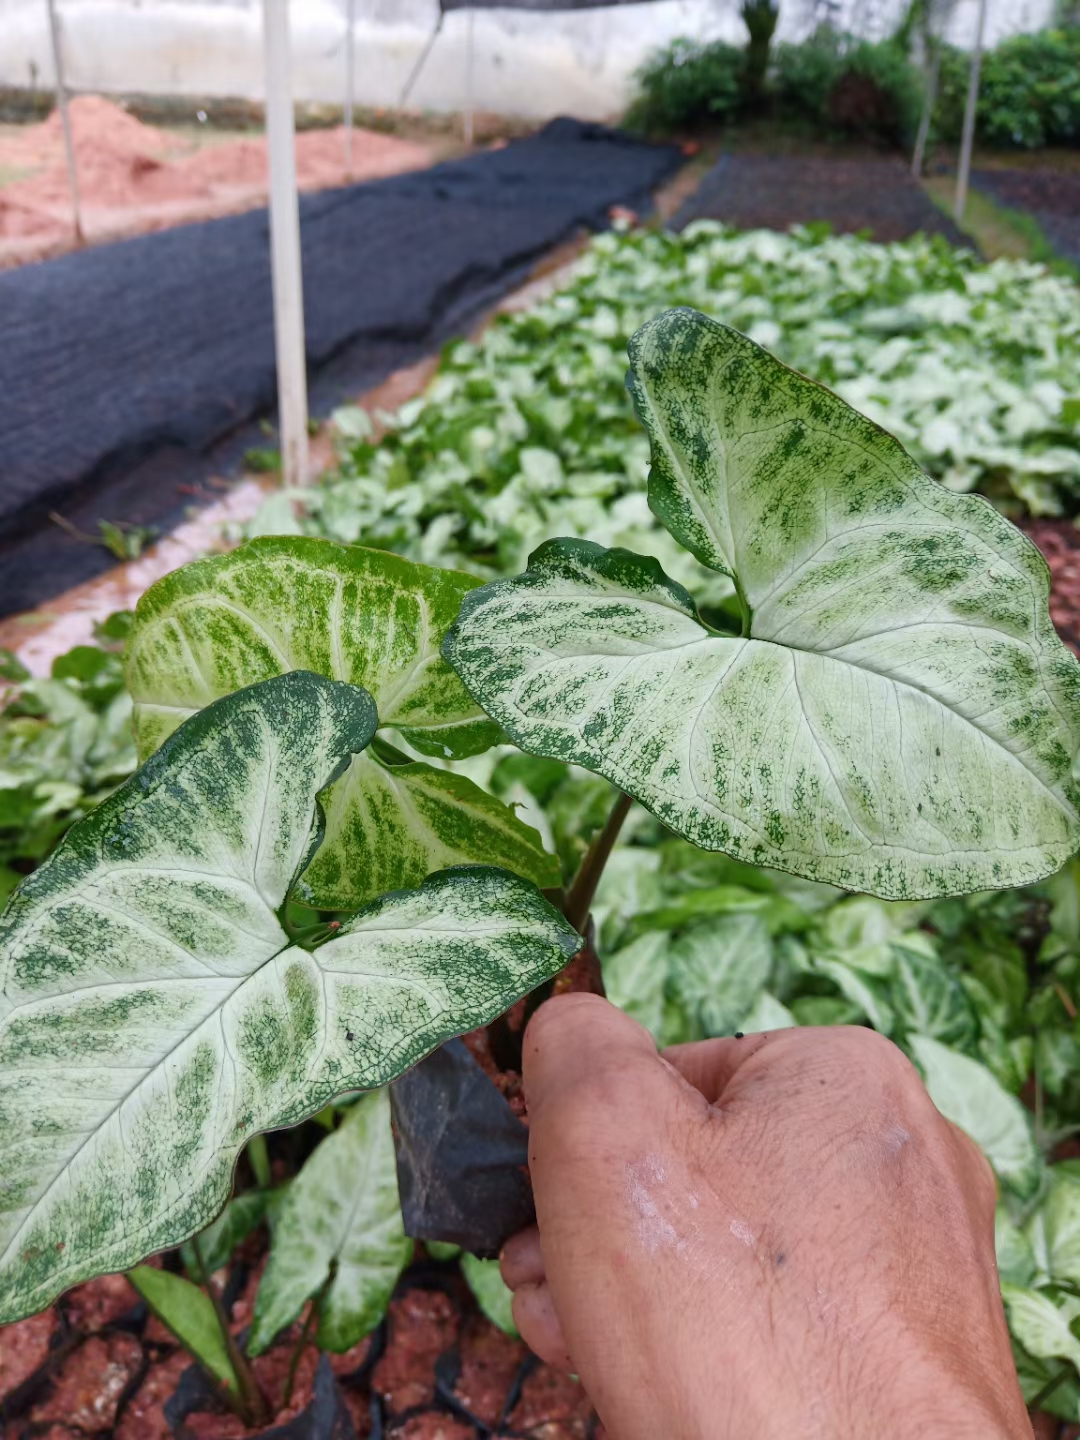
(154, 1014)
(863, 991)
(719, 970)
(293, 603)
(767, 1013)
(1042, 1325)
(969, 1095)
(339, 1235)
(492, 1294)
(926, 995)
(1015, 1257)
(898, 715)
(636, 978)
(215, 1244)
(1054, 1229)
(366, 617)
(391, 825)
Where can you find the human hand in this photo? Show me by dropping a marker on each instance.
(776, 1236)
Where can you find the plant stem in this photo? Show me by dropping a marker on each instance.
(301, 1345)
(259, 1156)
(744, 608)
(254, 1410)
(579, 898)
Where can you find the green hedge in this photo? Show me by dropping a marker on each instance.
(1029, 92)
(854, 87)
(687, 83)
(838, 83)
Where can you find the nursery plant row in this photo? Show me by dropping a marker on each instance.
(522, 437)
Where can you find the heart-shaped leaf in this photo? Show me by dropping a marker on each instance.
(968, 1094)
(366, 617)
(389, 825)
(155, 1014)
(292, 603)
(339, 1228)
(898, 715)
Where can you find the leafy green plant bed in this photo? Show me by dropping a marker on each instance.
(527, 434)
(324, 725)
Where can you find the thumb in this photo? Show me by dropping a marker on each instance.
(608, 1118)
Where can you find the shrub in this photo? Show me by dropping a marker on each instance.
(687, 83)
(854, 86)
(804, 74)
(877, 93)
(1029, 92)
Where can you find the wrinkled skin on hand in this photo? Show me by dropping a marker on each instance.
(776, 1236)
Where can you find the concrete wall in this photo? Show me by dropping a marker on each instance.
(525, 64)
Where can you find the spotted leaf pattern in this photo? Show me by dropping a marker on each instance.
(294, 603)
(154, 1014)
(365, 617)
(897, 716)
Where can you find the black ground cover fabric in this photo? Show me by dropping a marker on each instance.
(1051, 197)
(122, 367)
(774, 192)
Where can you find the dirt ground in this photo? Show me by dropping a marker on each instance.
(1051, 197)
(876, 195)
(96, 1364)
(135, 177)
(1059, 541)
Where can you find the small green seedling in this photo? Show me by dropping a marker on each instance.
(293, 900)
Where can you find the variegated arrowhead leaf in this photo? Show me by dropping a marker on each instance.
(366, 617)
(341, 1223)
(154, 1014)
(389, 826)
(292, 603)
(898, 715)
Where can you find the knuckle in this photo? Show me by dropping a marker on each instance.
(563, 1012)
(871, 1063)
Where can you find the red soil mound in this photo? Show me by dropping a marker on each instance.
(133, 177)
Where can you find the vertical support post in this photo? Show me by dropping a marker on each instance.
(421, 59)
(65, 120)
(467, 118)
(285, 246)
(967, 138)
(929, 101)
(350, 41)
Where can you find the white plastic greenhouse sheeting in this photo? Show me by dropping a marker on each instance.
(525, 64)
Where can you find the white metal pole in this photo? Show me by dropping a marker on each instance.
(65, 120)
(467, 118)
(350, 40)
(421, 59)
(929, 101)
(285, 246)
(967, 137)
